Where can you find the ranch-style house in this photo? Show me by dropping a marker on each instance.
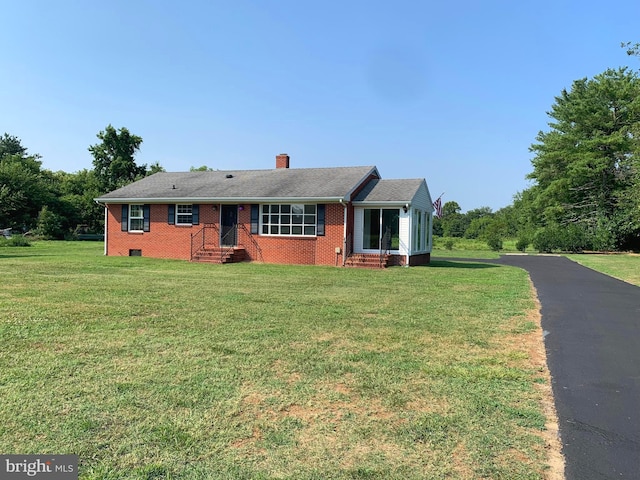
(342, 216)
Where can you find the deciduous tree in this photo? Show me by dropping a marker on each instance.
(24, 187)
(113, 158)
(584, 165)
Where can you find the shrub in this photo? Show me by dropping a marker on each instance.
(522, 243)
(569, 238)
(546, 239)
(574, 239)
(494, 241)
(448, 244)
(603, 239)
(49, 224)
(15, 241)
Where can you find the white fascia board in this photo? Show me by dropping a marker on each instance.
(222, 200)
(394, 203)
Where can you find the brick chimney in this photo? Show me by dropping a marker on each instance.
(282, 161)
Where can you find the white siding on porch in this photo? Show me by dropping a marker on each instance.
(422, 199)
(405, 224)
(422, 202)
(390, 195)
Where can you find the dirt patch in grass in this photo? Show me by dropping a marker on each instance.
(256, 435)
(531, 344)
(534, 344)
(461, 461)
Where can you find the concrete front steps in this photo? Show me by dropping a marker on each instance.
(367, 260)
(220, 255)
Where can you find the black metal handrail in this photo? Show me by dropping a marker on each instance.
(252, 240)
(198, 239)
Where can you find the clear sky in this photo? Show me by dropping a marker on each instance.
(452, 91)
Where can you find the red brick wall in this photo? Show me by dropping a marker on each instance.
(162, 240)
(319, 250)
(401, 260)
(421, 259)
(174, 241)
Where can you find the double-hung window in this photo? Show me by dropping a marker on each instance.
(136, 218)
(184, 214)
(289, 219)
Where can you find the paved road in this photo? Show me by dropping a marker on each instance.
(592, 327)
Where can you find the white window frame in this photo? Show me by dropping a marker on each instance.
(276, 222)
(139, 217)
(185, 214)
(420, 231)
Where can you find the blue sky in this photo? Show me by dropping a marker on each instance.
(454, 92)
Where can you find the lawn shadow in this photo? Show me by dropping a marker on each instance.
(462, 263)
(20, 255)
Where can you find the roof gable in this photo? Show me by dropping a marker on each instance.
(397, 191)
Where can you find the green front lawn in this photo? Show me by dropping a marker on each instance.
(165, 369)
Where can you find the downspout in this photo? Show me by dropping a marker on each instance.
(106, 216)
(344, 234)
(410, 242)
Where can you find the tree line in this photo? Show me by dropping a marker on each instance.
(585, 192)
(56, 204)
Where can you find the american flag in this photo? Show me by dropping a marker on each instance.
(437, 205)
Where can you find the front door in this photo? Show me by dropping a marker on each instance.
(229, 225)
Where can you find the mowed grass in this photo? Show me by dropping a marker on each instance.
(153, 369)
(473, 248)
(461, 247)
(624, 266)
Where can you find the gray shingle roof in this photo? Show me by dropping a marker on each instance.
(391, 190)
(280, 183)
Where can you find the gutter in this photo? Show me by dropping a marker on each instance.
(229, 200)
(386, 203)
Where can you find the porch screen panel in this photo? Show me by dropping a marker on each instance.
(371, 238)
(391, 223)
(417, 231)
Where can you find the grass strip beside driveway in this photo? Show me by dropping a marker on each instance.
(623, 266)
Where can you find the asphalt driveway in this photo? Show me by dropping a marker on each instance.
(591, 324)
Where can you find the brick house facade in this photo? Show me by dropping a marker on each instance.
(320, 216)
